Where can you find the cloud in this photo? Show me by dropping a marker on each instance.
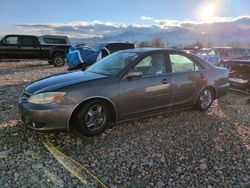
(172, 31)
(146, 18)
(167, 23)
(76, 29)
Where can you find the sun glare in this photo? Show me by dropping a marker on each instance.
(207, 12)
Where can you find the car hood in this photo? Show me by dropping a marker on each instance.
(57, 81)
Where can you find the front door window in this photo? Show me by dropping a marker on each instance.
(13, 40)
(151, 65)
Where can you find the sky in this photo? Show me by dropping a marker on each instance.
(18, 15)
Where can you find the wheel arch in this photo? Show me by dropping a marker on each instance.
(109, 103)
(57, 52)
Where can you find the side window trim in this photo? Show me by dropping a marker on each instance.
(168, 62)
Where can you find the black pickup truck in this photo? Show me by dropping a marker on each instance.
(48, 47)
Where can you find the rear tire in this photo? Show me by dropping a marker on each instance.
(205, 100)
(58, 61)
(93, 118)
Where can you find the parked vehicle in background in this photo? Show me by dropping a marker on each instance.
(244, 58)
(226, 52)
(48, 47)
(213, 59)
(124, 85)
(239, 74)
(83, 56)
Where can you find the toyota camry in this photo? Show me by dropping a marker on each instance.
(123, 86)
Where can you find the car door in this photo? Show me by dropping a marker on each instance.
(148, 92)
(188, 77)
(10, 47)
(30, 47)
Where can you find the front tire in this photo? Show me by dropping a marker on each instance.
(58, 61)
(93, 118)
(205, 100)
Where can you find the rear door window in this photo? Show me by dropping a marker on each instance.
(29, 41)
(181, 63)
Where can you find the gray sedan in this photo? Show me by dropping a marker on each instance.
(123, 86)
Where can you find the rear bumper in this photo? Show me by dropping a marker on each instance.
(222, 90)
(46, 117)
(240, 84)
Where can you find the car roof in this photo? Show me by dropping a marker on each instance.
(53, 36)
(145, 50)
(43, 36)
(114, 43)
(18, 35)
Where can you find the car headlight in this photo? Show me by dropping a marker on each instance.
(45, 98)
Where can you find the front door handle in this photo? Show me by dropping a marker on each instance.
(164, 81)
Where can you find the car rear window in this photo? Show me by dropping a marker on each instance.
(55, 41)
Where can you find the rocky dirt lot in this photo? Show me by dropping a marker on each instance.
(175, 149)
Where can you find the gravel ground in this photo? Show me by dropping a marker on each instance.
(174, 149)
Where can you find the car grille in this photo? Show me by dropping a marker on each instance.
(24, 97)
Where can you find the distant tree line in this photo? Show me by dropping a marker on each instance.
(158, 43)
(210, 45)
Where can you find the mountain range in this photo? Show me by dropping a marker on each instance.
(221, 33)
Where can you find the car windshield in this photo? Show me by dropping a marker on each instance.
(113, 64)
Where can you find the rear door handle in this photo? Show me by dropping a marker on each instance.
(164, 81)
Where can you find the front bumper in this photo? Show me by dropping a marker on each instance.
(46, 117)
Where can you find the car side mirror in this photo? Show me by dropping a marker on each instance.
(131, 75)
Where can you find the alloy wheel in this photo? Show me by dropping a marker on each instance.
(95, 117)
(206, 98)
